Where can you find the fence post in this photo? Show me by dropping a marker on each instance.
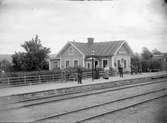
(53, 77)
(39, 79)
(8, 81)
(25, 80)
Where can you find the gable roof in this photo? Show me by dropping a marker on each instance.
(100, 48)
(108, 48)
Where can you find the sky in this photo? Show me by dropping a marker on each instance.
(142, 23)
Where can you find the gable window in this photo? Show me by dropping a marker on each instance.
(75, 63)
(67, 63)
(71, 51)
(105, 63)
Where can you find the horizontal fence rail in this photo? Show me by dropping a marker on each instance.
(44, 78)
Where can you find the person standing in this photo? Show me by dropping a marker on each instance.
(120, 69)
(79, 71)
(106, 72)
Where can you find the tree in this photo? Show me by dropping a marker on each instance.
(18, 60)
(5, 65)
(146, 59)
(156, 52)
(146, 54)
(135, 60)
(34, 57)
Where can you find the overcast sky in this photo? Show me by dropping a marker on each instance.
(139, 22)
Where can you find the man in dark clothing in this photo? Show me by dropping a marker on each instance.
(79, 71)
(120, 69)
(132, 69)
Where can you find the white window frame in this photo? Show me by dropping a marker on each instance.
(66, 64)
(55, 64)
(88, 62)
(103, 62)
(74, 61)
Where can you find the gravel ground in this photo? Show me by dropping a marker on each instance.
(154, 111)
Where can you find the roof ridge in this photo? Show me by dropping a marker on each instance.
(98, 42)
(110, 41)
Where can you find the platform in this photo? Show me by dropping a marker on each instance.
(11, 91)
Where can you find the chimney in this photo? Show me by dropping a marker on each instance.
(90, 41)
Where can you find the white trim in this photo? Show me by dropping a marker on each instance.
(83, 61)
(63, 49)
(119, 48)
(60, 63)
(71, 45)
(50, 64)
(124, 42)
(77, 49)
(129, 48)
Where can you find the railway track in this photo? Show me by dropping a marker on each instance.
(56, 98)
(89, 113)
(82, 107)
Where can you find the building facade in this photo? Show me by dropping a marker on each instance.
(104, 54)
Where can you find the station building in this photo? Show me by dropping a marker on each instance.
(104, 54)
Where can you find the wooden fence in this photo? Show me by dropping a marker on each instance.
(43, 78)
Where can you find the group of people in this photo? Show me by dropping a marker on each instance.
(105, 75)
(136, 69)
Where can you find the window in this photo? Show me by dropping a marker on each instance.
(88, 65)
(122, 60)
(96, 64)
(118, 63)
(55, 64)
(75, 63)
(124, 63)
(67, 64)
(71, 51)
(114, 64)
(105, 63)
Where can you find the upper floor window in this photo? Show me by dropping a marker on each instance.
(71, 51)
